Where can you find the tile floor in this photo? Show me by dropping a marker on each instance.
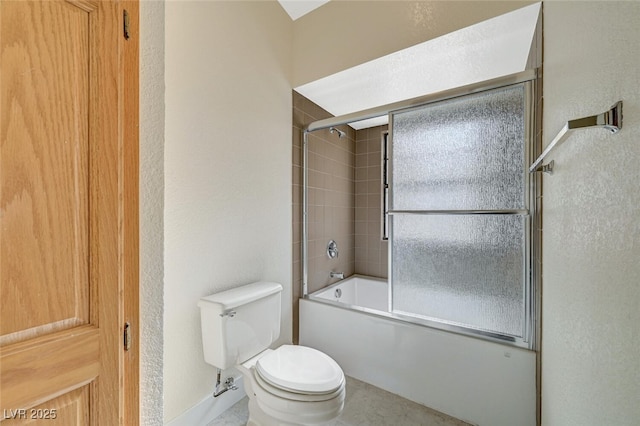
(365, 405)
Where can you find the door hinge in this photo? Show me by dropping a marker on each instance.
(125, 16)
(127, 336)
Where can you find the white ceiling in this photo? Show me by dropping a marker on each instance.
(298, 8)
(490, 49)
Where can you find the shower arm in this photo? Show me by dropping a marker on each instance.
(341, 134)
(610, 120)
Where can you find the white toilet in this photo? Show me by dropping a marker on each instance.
(290, 385)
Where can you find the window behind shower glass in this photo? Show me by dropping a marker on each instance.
(385, 185)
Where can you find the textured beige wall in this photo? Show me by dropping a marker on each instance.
(591, 249)
(342, 34)
(151, 209)
(227, 167)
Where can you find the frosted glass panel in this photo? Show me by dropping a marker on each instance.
(467, 270)
(461, 154)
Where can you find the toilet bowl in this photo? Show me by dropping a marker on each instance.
(289, 385)
(293, 385)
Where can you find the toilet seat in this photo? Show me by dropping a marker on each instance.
(300, 370)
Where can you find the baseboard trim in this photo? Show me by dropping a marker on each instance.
(209, 408)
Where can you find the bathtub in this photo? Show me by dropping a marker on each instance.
(475, 380)
(357, 292)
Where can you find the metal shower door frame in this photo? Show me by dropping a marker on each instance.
(531, 225)
(533, 182)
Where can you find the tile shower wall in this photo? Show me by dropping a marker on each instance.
(331, 200)
(345, 202)
(371, 251)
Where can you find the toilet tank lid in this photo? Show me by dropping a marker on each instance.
(238, 296)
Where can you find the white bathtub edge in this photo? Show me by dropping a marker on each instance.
(474, 380)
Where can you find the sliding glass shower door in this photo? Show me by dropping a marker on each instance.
(459, 208)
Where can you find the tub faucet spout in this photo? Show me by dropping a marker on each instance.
(339, 275)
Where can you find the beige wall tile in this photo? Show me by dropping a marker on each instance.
(344, 201)
(332, 162)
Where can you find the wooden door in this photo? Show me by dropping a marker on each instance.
(68, 213)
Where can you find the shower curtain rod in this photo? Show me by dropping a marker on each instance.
(378, 111)
(610, 120)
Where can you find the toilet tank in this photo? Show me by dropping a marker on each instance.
(240, 323)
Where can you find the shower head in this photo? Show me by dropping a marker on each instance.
(341, 134)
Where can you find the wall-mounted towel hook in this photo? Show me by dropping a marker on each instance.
(610, 120)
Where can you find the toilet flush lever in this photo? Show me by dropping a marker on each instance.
(229, 314)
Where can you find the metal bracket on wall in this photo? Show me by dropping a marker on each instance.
(609, 120)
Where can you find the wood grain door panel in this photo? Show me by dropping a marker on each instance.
(72, 409)
(65, 174)
(45, 168)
